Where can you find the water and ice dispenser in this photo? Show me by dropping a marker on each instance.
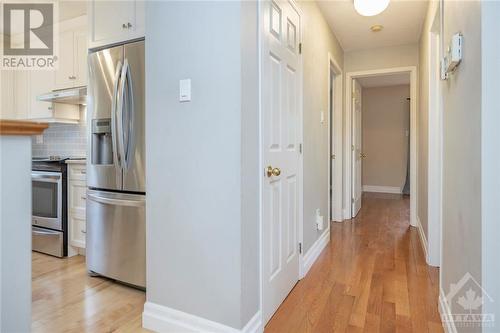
(102, 147)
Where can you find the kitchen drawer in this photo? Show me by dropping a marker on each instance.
(78, 171)
(78, 229)
(77, 197)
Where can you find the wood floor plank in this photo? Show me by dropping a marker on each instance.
(372, 277)
(66, 299)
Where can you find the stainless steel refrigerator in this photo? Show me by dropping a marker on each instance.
(116, 217)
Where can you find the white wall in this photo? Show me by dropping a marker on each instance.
(386, 123)
(423, 117)
(202, 159)
(462, 97)
(384, 57)
(318, 40)
(15, 234)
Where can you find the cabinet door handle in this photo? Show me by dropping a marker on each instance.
(83, 171)
(83, 231)
(124, 26)
(129, 25)
(84, 197)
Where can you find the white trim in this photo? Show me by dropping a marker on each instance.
(412, 70)
(423, 239)
(435, 147)
(445, 312)
(314, 252)
(337, 193)
(159, 318)
(382, 189)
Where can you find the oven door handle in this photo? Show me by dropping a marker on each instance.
(45, 177)
(47, 233)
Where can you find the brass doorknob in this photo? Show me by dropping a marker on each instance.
(270, 171)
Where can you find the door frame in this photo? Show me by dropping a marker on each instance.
(412, 70)
(335, 136)
(261, 39)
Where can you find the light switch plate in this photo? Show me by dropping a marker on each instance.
(185, 90)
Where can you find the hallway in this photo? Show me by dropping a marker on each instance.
(372, 277)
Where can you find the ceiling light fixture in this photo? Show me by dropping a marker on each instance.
(376, 28)
(370, 7)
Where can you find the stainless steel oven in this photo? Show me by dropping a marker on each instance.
(47, 199)
(49, 230)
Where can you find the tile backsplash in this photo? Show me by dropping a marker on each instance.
(62, 140)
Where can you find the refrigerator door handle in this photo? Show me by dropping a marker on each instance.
(114, 106)
(120, 113)
(116, 202)
(129, 133)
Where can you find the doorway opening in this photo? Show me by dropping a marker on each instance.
(335, 194)
(391, 151)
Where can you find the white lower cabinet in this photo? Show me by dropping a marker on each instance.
(77, 189)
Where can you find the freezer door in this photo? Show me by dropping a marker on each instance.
(103, 164)
(116, 236)
(133, 117)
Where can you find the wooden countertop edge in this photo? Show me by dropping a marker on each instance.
(18, 127)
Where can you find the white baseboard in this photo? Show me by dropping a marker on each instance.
(445, 312)
(423, 240)
(310, 257)
(162, 319)
(382, 189)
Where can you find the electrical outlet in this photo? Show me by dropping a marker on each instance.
(320, 220)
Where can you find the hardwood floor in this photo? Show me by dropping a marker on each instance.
(66, 299)
(372, 277)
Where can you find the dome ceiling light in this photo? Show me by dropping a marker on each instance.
(370, 7)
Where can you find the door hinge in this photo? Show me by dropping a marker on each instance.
(333, 156)
(352, 200)
(300, 148)
(300, 48)
(300, 248)
(352, 147)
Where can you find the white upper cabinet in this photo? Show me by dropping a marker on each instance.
(113, 22)
(72, 64)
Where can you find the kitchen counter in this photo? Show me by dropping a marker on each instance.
(17, 127)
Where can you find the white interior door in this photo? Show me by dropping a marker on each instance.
(357, 152)
(281, 120)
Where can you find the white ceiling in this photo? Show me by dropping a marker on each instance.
(402, 21)
(384, 80)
